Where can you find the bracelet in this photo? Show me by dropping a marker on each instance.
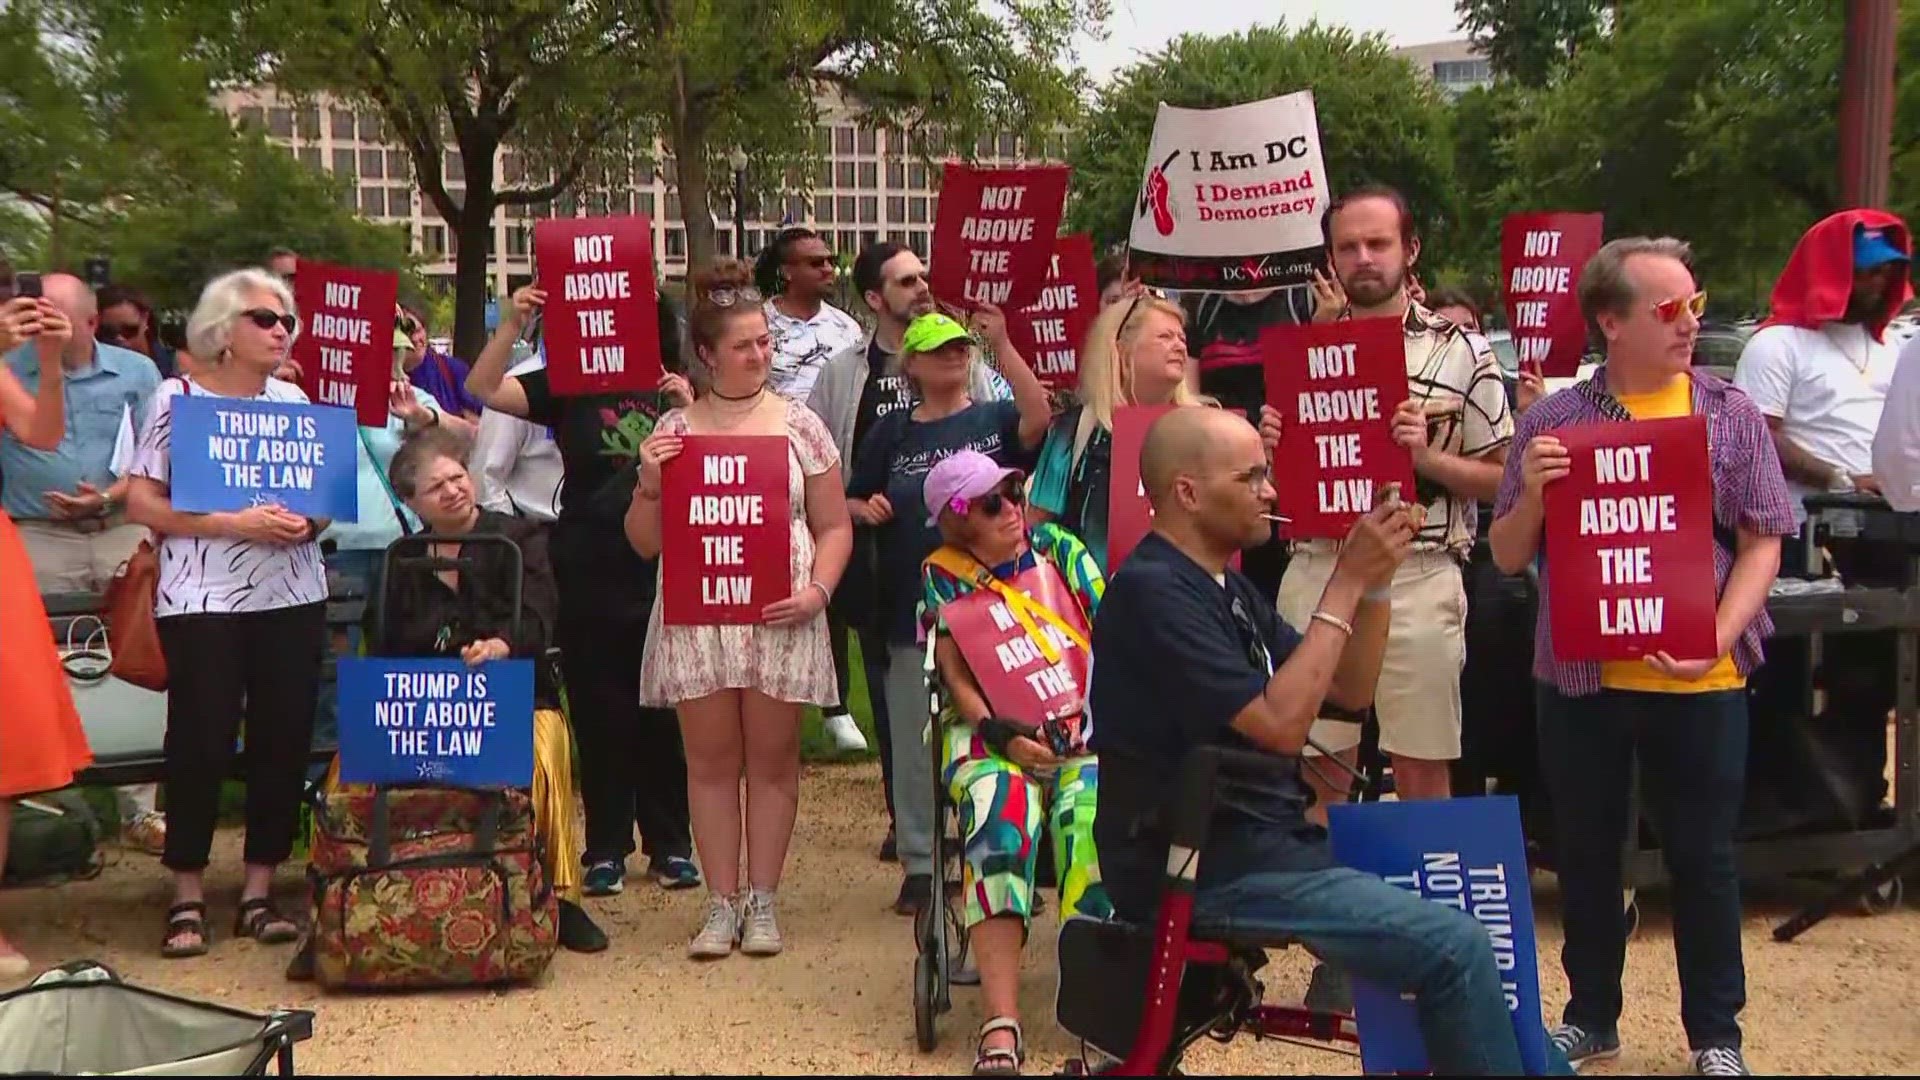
(824, 591)
(1334, 621)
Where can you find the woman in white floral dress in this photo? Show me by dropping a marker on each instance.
(739, 689)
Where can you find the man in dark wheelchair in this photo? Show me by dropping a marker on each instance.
(467, 610)
(1188, 654)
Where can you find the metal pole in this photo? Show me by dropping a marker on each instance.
(739, 213)
(1866, 101)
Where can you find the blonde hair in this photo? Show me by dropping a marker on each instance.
(1106, 363)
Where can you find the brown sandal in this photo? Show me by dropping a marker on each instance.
(258, 920)
(187, 919)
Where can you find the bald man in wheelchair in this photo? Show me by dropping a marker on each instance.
(1187, 653)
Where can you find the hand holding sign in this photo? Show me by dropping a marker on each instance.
(527, 300)
(479, 652)
(602, 329)
(726, 539)
(1543, 461)
(655, 451)
(269, 525)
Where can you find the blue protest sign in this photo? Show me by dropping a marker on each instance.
(410, 721)
(229, 455)
(1467, 854)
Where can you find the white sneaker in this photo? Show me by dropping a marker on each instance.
(719, 932)
(759, 933)
(1718, 1061)
(845, 733)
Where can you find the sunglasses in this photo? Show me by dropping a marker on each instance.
(267, 319)
(1669, 310)
(403, 324)
(818, 262)
(726, 298)
(121, 331)
(909, 281)
(991, 504)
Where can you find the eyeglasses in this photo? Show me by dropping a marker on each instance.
(1140, 293)
(1254, 476)
(267, 319)
(121, 331)
(990, 504)
(726, 298)
(909, 281)
(818, 262)
(1669, 310)
(404, 324)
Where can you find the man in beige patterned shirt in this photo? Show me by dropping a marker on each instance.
(1458, 426)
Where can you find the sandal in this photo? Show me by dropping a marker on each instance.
(258, 920)
(999, 1060)
(186, 921)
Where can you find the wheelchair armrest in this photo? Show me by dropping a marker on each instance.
(1200, 774)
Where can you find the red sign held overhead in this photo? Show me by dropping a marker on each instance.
(345, 347)
(602, 323)
(1050, 331)
(726, 530)
(1336, 386)
(1630, 542)
(1129, 514)
(994, 235)
(1541, 256)
(1015, 674)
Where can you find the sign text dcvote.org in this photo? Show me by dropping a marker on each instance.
(1536, 281)
(437, 727)
(1626, 516)
(589, 286)
(266, 450)
(1339, 450)
(725, 550)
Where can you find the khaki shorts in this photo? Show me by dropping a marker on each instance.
(1418, 698)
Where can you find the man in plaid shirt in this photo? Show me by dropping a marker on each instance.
(1685, 718)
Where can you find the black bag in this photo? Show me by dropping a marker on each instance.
(55, 838)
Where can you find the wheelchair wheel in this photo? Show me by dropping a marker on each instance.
(1885, 898)
(926, 979)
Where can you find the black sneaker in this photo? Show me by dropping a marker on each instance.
(1328, 991)
(916, 892)
(1582, 1046)
(889, 850)
(577, 931)
(1718, 1061)
(605, 878)
(674, 872)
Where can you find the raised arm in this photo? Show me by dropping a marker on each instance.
(1029, 394)
(488, 379)
(38, 419)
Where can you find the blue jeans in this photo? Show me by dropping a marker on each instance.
(1692, 750)
(1389, 937)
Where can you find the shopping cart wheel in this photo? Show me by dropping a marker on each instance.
(1885, 898)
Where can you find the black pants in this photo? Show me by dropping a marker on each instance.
(633, 768)
(873, 658)
(264, 665)
(1692, 750)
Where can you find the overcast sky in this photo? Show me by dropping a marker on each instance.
(1141, 26)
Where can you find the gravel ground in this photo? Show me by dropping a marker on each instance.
(1840, 1000)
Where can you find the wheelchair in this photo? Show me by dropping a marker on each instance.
(1142, 995)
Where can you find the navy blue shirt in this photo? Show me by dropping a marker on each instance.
(1176, 656)
(894, 461)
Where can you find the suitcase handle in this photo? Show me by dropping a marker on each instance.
(486, 832)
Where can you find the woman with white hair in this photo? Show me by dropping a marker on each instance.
(241, 610)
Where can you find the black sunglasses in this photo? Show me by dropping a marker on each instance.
(995, 501)
(121, 331)
(1250, 638)
(266, 318)
(818, 262)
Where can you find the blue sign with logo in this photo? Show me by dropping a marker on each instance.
(1466, 853)
(230, 455)
(436, 721)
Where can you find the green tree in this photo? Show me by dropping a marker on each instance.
(1713, 120)
(1379, 121)
(1531, 41)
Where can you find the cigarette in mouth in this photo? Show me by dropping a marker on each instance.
(1275, 517)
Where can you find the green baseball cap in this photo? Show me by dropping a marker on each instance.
(930, 332)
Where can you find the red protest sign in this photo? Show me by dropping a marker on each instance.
(1129, 514)
(1336, 386)
(993, 238)
(1630, 542)
(601, 325)
(1015, 675)
(345, 347)
(725, 534)
(1049, 332)
(1541, 256)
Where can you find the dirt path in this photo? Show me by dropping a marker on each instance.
(1838, 1001)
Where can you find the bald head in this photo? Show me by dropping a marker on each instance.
(71, 295)
(1206, 474)
(1185, 441)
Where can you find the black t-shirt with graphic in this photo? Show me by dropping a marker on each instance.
(1224, 338)
(884, 392)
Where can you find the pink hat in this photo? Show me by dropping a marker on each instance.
(961, 478)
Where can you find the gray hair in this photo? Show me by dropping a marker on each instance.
(210, 327)
(1604, 285)
(418, 451)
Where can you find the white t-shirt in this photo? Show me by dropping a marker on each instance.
(1827, 386)
(802, 346)
(1896, 446)
(202, 574)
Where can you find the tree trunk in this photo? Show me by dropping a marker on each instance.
(687, 127)
(472, 274)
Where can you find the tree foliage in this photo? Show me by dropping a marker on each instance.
(1379, 121)
(1531, 41)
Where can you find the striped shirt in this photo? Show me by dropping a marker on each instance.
(1749, 492)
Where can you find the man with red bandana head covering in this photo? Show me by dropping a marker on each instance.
(1820, 370)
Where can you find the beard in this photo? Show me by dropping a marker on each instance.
(1374, 291)
(1865, 307)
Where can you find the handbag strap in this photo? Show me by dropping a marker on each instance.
(393, 499)
(1024, 607)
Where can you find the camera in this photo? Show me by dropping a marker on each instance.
(27, 285)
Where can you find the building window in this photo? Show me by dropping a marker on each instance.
(280, 123)
(756, 241)
(621, 202)
(843, 141)
(843, 175)
(823, 210)
(917, 210)
(253, 116)
(796, 208)
(400, 201)
(644, 200)
(983, 147)
(342, 123)
(869, 209)
(519, 241)
(917, 177)
(513, 167)
(869, 175)
(399, 165)
(897, 236)
(673, 206)
(896, 208)
(1009, 145)
(373, 202)
(676, 243)
(372, 165)
(434, 239)
(822, 139)
(896, 174)
(869, 237)
(869, 144)
(310, 122)
(455, 167)
(846, 240)
(343, 163)
(310, 155)
(373, 128)
(596, 204)
(1461, 71)
(644, 172)
(847, 209)
(917, 240)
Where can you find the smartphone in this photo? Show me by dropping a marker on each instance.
(27, 285)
